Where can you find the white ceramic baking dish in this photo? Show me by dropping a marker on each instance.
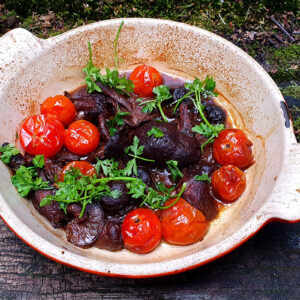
(32, 69)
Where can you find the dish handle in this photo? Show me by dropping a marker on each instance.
(18, 47)
(285, 198)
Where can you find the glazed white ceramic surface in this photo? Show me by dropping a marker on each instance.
(32, 69)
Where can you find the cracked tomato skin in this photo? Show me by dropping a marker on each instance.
(182, 223)
(42, 134)
(232, 147)
(60, 106)
(82, 137)
(145, 78)
(84, 167)
(228, 183)
(141, 231)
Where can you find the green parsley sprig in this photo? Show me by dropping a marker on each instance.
(206, 88)
(156, 132)
(136, 152)
(203, 177)
(7, 152)
(117, 120)
(82, 189)
(162, 93)
(111, 79)
(202, 88)
(173, 167)
(156, 199)
(26, 178)
(109, 167)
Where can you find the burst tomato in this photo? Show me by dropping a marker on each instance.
(141, 231)
(82, 137)
(182, 223)
(145, 78)
(84, 167)
(232, 147)
(42, 134)
(228, 183)
(60, 106)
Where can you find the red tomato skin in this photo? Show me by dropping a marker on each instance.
(82, 137)
(42, 134)
(145, 78)
(228, 183)
(141, 231)
(233, 147)
(84, 167)
(182, 223)
(60, 106)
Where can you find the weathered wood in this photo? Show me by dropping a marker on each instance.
(266, 267)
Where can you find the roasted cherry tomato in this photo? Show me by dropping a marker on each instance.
(60, 106)
(233, 147)
(145, 78)
(141, 231)
(182, 223)
(84, 167)
(42, 134)
(228, 183)
(82, 137)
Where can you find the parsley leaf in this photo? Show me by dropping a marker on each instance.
(118, 120)
(173, 166)
(92, 74)
(162, 93)
(156, 132)
(206, 89)
(203, 177)
(111, 78)
(137, 188)
(7, 152)
(39, 161)
(109, 167)
(82, 189)
(26, 180)
(211, 132)
(157, 198)
(131, 166)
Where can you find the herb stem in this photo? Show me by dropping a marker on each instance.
(199, 106)
(180, 100)
(115, 178)
(141, 158)
(178, 196)
(162, 112)
(90, 53)
(210, 140)
(83, 204)
(116, 44)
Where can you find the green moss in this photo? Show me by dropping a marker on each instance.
(292, 91)
(224, 15)
(296, 124)
(31, 23)
(295, 114)
(286, 60)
